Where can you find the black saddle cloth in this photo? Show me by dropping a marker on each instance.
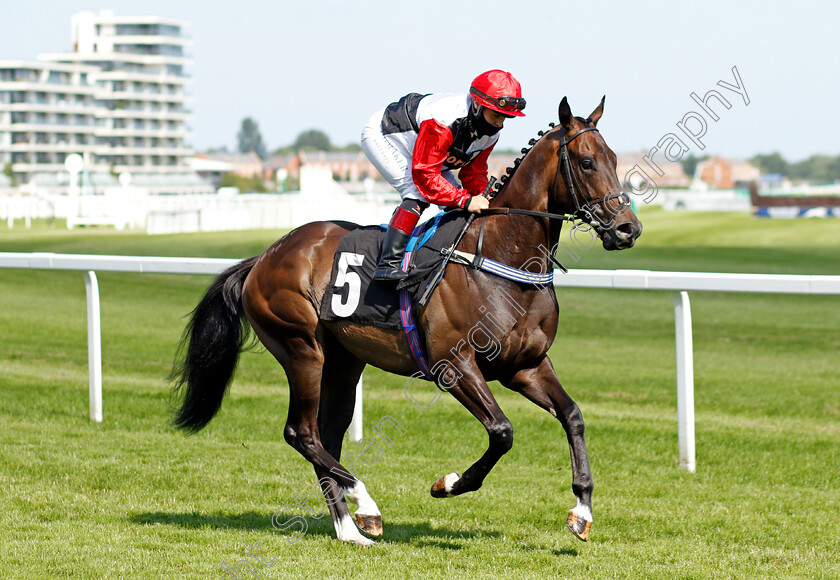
(352, 295)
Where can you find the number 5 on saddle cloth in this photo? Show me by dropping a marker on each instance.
(351, 294)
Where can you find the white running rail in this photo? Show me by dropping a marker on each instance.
(679, 282)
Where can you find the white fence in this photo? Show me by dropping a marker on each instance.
(127, 207)
(679, 282)
(159, 214)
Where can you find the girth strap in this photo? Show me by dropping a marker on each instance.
(479, 262)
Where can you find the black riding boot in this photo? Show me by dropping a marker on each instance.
(390, 257)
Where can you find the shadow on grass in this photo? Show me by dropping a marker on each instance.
(419, 533)
(244, 521)
(567, 551)
(422, 534)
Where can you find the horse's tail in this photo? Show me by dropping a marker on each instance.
(209, 349)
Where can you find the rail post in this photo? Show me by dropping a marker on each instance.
(94, 330)
(355, 432)
(685, 380)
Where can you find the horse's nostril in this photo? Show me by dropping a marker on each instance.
(626, 229)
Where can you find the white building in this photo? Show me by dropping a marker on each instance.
(47, 111)
(139, 88)
(118, 96)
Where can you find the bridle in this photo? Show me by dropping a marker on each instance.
(583, 211)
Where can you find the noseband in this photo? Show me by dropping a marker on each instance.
(583, 211)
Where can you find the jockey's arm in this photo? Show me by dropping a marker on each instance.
(474, 176)
(430, 152)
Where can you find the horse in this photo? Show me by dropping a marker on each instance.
(568, 171)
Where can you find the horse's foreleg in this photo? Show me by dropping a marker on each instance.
(540, 385)
(472, 392)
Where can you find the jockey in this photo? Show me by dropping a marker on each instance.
(418, 141)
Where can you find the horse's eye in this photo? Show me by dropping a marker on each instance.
(587, 164)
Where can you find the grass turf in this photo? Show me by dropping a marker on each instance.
(131, 497)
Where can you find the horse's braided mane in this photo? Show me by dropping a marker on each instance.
(509, 171)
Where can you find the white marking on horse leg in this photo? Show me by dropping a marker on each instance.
(358, 494)
(583, 512)
(346, 531)
(449, 481)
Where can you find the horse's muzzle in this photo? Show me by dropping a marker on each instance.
(622, 236)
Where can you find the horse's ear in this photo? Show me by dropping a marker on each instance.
(565, 112)
(599, 110)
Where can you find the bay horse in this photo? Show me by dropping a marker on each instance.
(570, 170)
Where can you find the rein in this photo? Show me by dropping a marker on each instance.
(568, 217)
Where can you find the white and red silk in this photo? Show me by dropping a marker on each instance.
(430, 152)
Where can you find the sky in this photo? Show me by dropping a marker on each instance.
(327, 65)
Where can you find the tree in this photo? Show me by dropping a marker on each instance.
(350, 148)
(690, 163)
(313, 139)
(816, 169)
(8, 171)
(250, 139)
(771, 163)
(244, 184)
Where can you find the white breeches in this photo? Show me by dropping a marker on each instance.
(391, 155)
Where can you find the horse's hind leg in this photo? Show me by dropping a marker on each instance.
(540, 385)
(340, 375)
(302, 357)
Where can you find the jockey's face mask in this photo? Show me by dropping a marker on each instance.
(481, 125)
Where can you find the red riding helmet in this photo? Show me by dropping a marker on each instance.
(498, 90)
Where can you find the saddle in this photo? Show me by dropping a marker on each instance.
(351, 294)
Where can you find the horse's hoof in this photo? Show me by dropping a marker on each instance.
(371, 525)
(578, 525)
(443, 486)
